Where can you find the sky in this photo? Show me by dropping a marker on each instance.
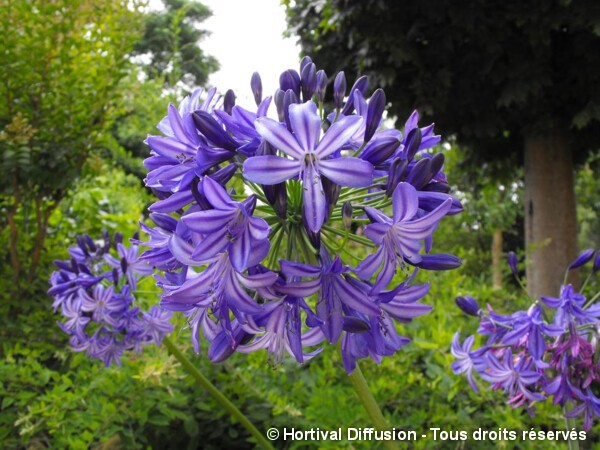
(247, 36)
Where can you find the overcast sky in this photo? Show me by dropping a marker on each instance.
(247, 36)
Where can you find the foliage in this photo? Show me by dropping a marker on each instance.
(169, 48)
(454, 61)
(50, 115)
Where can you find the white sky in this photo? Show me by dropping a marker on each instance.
(247, 36)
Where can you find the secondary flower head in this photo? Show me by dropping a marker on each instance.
(95, 294)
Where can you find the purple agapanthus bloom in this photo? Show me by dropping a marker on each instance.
(399, 238)
(570, 306)
(98, 303)
(229, 227)
(335, 292)
(465, 358)
(590, 408)
(309, 157)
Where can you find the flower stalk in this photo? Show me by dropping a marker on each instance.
(216, 393)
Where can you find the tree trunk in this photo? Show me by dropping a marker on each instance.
(497, 259)
(550, 220)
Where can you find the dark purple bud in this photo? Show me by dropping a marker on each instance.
(229, 101)
(362, 84)
(420, 174)
(440, 261)
(353, 324)
(513, 263)
(313, 236)
(583, 258)
(321, 88)
(395, 175)
(118, 238)
(290, 80)
(429, 200)
(437, 162)
(468, 305)
(309, 81)
(256, 86)
(279, 95)
(413, 140)
(289, 99)
(223, 175)
(82, 246)
(106, 239)
(347, 214)
(374, 113)
(164, 221)
(123, 265)
(136, 236)
(90, 242)
(379, 150)
(64, 265)
(596, 263)
(280, 203)
(332, 191)
(115, 276)
(339, 90)
(305, 62)
(436, 186)
(213, 131)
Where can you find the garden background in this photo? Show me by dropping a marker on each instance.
(84, 82)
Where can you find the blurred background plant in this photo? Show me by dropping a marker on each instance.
(75, 107)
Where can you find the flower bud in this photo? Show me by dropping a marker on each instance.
(420, 174)
(339, 90)
(256, 86)
(440, 261)
(229, 101)
(374, 113)
(321, 87)
(279, 95)
(290, 80)
(308, 79)
(213, 131)
(583, 258)
(596, 266)
(362, 84)
(289, 98)
(412, 143)
(307, 60)
(347, 214)
(380, 150)
(468, 305)
(395, 175)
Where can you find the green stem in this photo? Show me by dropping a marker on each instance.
(352, 237)
(570, 424)
(218, 395)
(368, 401)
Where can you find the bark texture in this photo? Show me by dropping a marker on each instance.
(550, 220)
(497, 259)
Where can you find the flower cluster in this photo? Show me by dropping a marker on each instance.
(549, 350)
(94, 291)
(257, 209)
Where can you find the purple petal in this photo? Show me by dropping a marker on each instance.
(290, 268)
(351, 172)
(278, 135)
(315, 204)
(270, 169)
(376, 231)
(205, 222)
(405, 202)
(305, 124)
(216, 194)
(337, 135)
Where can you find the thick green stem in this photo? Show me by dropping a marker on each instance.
(570, 424)
(368, 401)
(218, 395)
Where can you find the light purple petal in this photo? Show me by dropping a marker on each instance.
(405, 202)
(351, 172)
(216, 194)
(305, 124)
(337, 135)
(277, 135)
(270, 169)
(209, 221)
(315, 204)
(376, 231)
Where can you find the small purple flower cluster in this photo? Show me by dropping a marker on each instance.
(541, 352)
(94, 292)
(254, 213)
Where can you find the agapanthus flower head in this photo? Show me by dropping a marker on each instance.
(257, 208)
(541, 352)
(95, 294)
